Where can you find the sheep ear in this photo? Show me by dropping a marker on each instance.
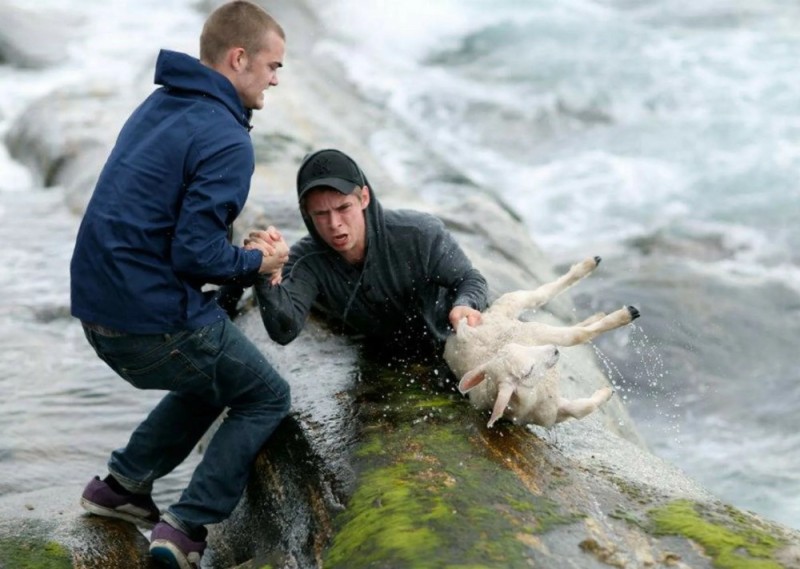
(471, 379)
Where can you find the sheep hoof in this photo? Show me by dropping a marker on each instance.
(634, 312)
(597, 260)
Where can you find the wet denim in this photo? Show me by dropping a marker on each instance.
(205, 371)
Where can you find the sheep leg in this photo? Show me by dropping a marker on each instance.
(504, 393)
(537, 333)
(592, 319)
(513, 303)
(579, 408)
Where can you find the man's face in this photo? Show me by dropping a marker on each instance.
(339, 220)
(259, 71)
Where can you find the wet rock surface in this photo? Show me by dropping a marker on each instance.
(421, 482)
(48, 529)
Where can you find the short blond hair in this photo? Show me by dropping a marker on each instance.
(236, 24)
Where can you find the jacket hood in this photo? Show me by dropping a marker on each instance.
(374, 211)
(183, 72)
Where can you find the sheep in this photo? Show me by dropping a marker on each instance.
(509, 366)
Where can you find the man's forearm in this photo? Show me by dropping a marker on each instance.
(283, 316)
(472, 291)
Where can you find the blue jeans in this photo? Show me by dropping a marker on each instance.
(205, 371)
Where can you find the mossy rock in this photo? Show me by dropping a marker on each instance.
(731, 538)
(33, 552)
(428, 487)
(47, 530)
(421, 482)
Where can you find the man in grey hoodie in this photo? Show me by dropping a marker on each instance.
(390, 275)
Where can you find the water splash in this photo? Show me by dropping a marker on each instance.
(648, 383)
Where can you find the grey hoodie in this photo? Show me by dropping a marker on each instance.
(414, 272)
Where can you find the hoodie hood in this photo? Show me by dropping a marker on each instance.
(181, 72)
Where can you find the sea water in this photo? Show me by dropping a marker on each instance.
(660, 135)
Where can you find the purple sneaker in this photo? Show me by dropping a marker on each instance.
(100, 499)
(171, 547)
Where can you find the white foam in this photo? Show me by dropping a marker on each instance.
(112, 46)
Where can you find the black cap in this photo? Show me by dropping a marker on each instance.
(331, 169)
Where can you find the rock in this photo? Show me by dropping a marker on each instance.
(34, 39)
(65, 138)
(47, 528)
(384, 468)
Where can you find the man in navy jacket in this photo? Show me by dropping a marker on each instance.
(155, 232)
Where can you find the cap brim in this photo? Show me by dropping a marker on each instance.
(342, 186)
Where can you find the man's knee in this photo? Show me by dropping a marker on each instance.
(285, 401)
(277, 394)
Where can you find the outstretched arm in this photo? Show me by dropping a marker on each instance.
(285, 303)
(274, 253)
(451, 268)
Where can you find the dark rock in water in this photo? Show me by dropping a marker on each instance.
(51, 313)
(708, 247)
(33, 39)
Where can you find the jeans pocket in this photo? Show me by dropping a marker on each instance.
(208, 339)
(174, 362)
(174, 371)
(189, 362)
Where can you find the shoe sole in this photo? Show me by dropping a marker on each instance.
(167, 554)
(98, 510)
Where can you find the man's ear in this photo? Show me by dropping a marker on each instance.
(236, 59)
(365, 197)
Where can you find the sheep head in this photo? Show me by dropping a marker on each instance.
(514, 370)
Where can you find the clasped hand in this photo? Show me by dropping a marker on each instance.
(274, 250)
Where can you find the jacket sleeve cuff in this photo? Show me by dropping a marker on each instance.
(252, 261)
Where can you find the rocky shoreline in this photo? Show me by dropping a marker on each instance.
(373, 469)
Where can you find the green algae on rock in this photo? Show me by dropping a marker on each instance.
(732, 539)
(46, 529)
(428, 492)
(33, 553)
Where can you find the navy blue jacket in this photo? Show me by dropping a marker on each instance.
(156, 228)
